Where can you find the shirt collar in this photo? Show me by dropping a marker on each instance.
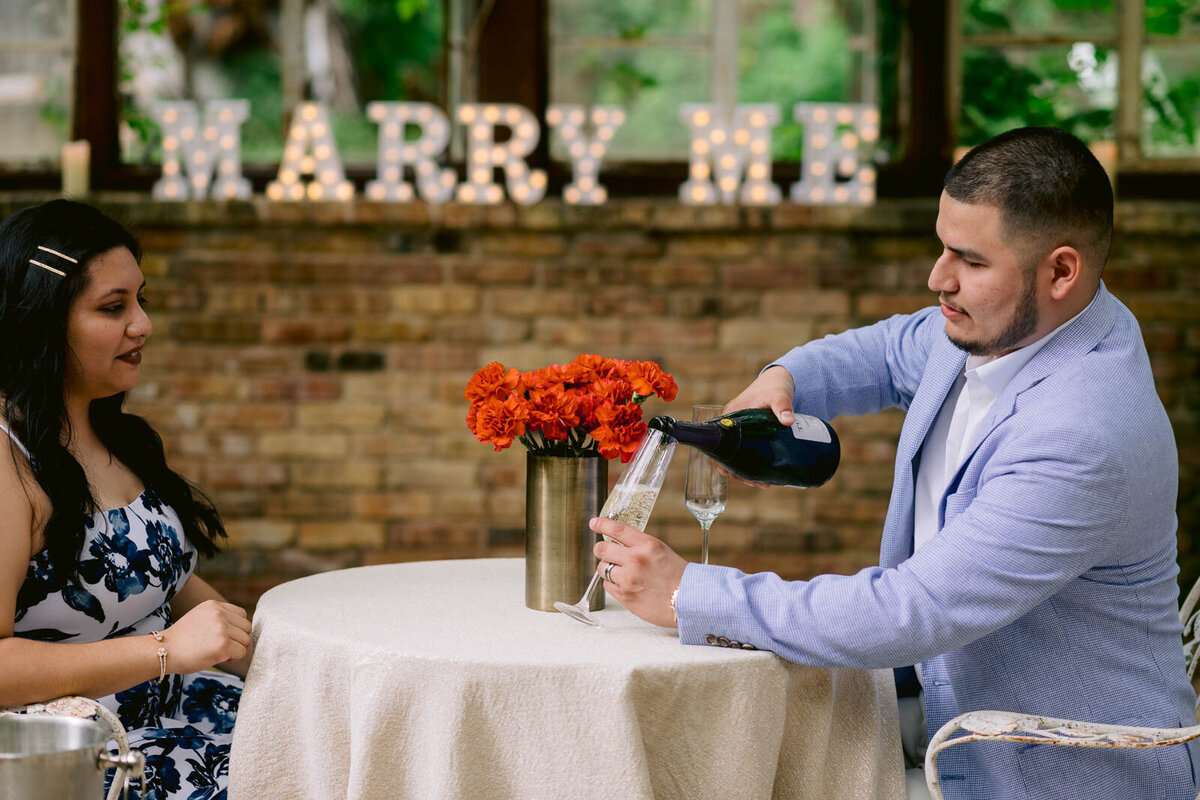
(997, 373)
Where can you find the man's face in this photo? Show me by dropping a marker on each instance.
(988, 292)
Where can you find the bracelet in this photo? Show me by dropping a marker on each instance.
(674, 594)
(162, 657)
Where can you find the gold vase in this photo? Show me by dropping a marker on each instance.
(561, 495)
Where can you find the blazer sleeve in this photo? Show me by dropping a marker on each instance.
(863, 370)
(1042, 515)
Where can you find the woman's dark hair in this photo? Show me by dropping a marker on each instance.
(34, 302)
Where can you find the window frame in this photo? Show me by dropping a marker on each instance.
(513, 66)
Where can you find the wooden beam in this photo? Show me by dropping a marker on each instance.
(511, 66)
(1035, 40)
(96, 105)
(1131, 15)
(926, 95)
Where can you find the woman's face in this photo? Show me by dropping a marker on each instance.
(106, 328)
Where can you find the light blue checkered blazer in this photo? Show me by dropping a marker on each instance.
(1051, 585)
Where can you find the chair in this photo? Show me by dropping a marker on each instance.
(131, 765)
(1005, 726)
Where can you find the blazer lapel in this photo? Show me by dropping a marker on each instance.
(1068, 344)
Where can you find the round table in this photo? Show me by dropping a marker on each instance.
(432, 680)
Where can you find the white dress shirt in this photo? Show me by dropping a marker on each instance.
(967, 405)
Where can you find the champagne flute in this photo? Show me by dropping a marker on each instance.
(707, 487)
(631, 501)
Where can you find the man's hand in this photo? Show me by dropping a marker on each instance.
(773, 389)
(645, 571)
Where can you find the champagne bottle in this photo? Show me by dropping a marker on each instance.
(754, 445)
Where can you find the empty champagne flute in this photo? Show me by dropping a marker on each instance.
(707, 487)
(631, 501)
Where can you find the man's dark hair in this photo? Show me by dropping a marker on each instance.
(1050, 188)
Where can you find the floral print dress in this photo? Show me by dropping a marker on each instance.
(134, 561)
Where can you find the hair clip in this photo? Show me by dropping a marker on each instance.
(49, 268)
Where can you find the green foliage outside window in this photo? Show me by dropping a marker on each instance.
(255, 75)
(783, 64)
(393, 48)
(1004, 88)
(396, 49)
(1172, 17)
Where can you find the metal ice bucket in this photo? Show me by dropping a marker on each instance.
(55, 758)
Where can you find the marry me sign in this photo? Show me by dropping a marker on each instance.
(729, 154)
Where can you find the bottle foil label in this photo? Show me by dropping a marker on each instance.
(810, 429)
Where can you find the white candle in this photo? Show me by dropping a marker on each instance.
(76, 168)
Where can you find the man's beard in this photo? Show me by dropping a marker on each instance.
(1023, 323)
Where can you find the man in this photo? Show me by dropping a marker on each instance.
(1028, 557)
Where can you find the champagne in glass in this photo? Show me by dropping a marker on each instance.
(630, 502)
(707, 487)
(630, 505)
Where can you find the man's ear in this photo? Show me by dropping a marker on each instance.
(1066, 271)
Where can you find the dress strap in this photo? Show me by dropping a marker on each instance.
(16, 441)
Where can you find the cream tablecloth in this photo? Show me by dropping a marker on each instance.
(432, 680)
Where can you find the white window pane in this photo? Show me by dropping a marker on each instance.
(647, 56)
(35, 90)
(650, 84)
(36, 74)
(629, 19)
(817, 52)
(652, 56)
(22, 20)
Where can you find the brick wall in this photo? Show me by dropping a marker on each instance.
(308, 362)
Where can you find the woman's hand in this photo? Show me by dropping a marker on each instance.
(645, 570)
(241, 666)
(211, 633)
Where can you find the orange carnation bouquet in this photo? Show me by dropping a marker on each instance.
(591, 406)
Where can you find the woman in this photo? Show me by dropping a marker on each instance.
(98, 536)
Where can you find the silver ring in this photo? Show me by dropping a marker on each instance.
(608, 572)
